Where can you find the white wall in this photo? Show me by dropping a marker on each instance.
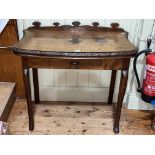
(91, 85)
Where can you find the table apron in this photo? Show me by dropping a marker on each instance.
(71, 63)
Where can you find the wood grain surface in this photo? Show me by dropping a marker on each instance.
(10, 64)
(75, 41)
(63, 41)
(77, 118)
(7, 99)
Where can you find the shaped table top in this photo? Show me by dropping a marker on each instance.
(74, 41)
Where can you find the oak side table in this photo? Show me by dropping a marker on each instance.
(75, 47)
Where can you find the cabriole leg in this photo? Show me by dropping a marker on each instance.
(28, 97)
(122, 89)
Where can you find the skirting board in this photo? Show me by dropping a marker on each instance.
(131, 100)
(74, 94)
(134, 101)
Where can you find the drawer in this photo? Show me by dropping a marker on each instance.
(36, 62)
(74, 64)
(58, 63)
(106, 63)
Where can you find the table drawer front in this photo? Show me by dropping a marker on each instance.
(111, 64)
(106, 64)
(74, 63)
(56, 63)
(35, 62)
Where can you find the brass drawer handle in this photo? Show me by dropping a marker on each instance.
(74, 63)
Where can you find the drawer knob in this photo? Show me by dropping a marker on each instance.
(75, 63)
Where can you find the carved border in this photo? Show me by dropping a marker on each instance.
(76, 26)
(23, 52)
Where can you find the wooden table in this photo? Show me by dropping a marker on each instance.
(75, 47)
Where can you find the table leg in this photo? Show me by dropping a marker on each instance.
(28, 97)
(36, 85)
(122, 89)
(112, 85)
